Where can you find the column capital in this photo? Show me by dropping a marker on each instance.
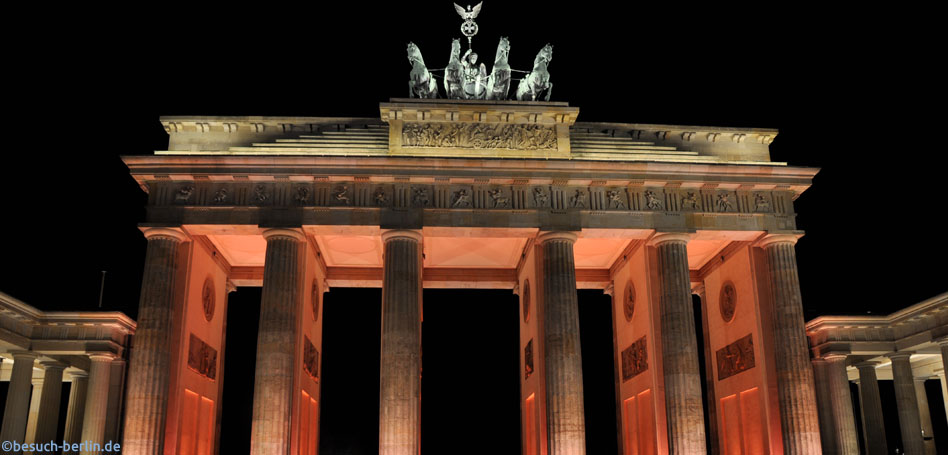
(943, 341)
(610, 288)
(173, 233)
(101, 356)
(544, 237)
(229, 286)
(291, 233)
(699, 289)
(53, 364)
(866, 365)
(25, 355)
(834, 356)
(899, 355)
(390, 234)
(771, 239)
(78, 374)
(664, 237)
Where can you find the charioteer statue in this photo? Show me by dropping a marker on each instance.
(465, 78)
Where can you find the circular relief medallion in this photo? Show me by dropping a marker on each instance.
(317, 296)
(207, 298)
(526, 301)
(728, 301)
(628, 301)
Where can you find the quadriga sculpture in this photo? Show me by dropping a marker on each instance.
(421, 83)
(537, 84)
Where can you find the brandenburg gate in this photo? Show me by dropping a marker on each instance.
(454, 193)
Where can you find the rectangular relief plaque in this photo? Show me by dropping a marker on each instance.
(310, 358)
(528, 359)
(479, 136)
(634, 359)
(202, 358)
(736, 357)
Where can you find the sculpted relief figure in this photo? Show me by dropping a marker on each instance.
(421, 83)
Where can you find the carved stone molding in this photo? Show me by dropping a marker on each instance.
(479, 136)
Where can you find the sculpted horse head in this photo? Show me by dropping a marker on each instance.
(503, 50)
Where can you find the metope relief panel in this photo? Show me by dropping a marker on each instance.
(725, 201)
(479, 136)
(202, 358)
(528, 360)
(310, 358)
(736, 357)
(634, 359)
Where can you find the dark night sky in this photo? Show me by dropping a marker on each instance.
(850, 95)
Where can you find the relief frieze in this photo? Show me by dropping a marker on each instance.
(479, 136)
(202, 358)
(634, 359)
(735, 357)
(310, 358)
(528, 359)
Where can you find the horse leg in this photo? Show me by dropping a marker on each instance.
(411, 91)
(549, 91)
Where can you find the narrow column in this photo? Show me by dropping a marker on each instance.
(97, 404)
(150, 364)
(400, 391)
(683, 407)
(715, 448)
(797, 399)
(907, 403)
(943, 344)
(17, 408)
(925, 416)
(276, 341)
(844, 422)
(566, 423)
(872, 417)
(77, 407)
(47, 421)
(824, 406)
(35, 398)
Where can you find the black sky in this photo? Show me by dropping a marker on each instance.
(852, 94)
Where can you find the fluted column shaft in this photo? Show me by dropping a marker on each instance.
(907, 404)
(566, 423)
(18, 398)
(35, 398)
(871, 405)
(943, 344)
(683, 406)
(798, 414)
(276, 341)
(76, 409)
(97, 404)
(925, 416)
(149, 369)
(824, 406)
(47, 421)
(844, 421)
(400, 382)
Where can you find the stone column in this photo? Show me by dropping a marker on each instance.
(77, 407)
(566, 423)
(795, 393)
(925, 416)
(943, 344)
(400, 391)
(17, 408)
(150, 364)
(47, 421)
(97, 403)
(683, 406)
(872, 416)
(844, 422)
(31, 420)
(824, 406)
(276, 342)
(907, 403)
